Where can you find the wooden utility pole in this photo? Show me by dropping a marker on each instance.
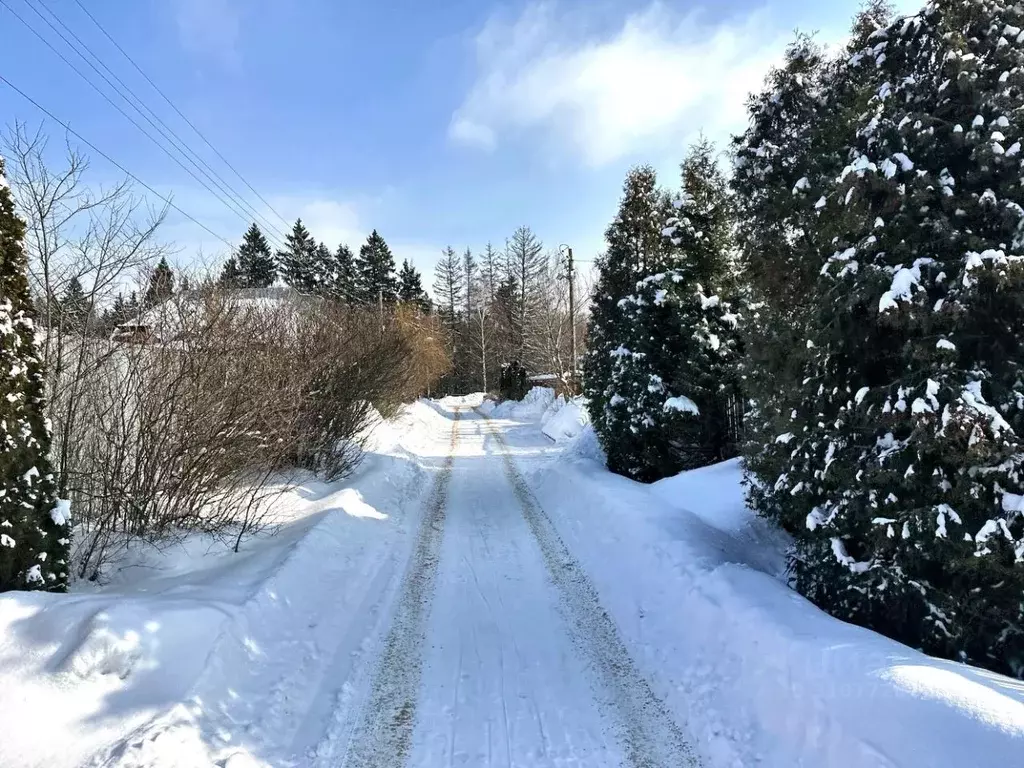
(572, 314)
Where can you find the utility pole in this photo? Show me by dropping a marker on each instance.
(380, 302)
(571, 275)
(572, 315)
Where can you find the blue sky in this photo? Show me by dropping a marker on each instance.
(434, 122)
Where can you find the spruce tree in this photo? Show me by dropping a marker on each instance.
(376, 269)
(449, 287)
(526, 265)
(74, 306)
(635, 249)
(34, 524)
(255, 261)
(161, 284)
(296, 262)
(230, 275)
(323, 268)
(410, 287)
(905, 448)
(343, 275)
(675, 401)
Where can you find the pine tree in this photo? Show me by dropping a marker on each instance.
(255, 261)
(675, 400)
(34, 525)
(905, 448)
(636, 248)
(161, 284)
(410, 287)
(74, 307)
(376, 269)
(230, 275)
(296, 262)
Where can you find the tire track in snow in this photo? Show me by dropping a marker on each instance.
(383, 737)
(651, 739)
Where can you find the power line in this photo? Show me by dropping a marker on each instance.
(109, 159)
(240, 209)
(178, 111)
(184, 145)
(125, 114)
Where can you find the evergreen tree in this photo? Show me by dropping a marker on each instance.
(675, 401)
(324, 268)
(526, 264)
(490, 272)
(449, 288)
(255, 261)
(296, 262)
(636, 248)
(74, 306)
(161, 284)
(343, 274)
(410, 287)
(34, 525)
(230, 275)
(376, 269)
(784, 163)
(472, 280)
(905, 448)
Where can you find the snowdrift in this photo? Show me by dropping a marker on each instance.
(172, 661)
(760, 675)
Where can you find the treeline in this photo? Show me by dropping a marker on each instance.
(847, 311)
(174, 403)
(506, 310)
(313, 269)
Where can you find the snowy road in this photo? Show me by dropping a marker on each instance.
(499, 653)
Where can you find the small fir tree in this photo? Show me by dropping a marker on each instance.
(161, 284)
(230, 275)
(410, 287)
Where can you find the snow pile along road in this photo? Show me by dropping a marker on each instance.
(761, 676)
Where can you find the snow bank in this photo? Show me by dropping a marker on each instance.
(185, 655)
(567, 421)
(530, 408)
(759, 675)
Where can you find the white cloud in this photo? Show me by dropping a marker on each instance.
(210, 29)
(658, 79)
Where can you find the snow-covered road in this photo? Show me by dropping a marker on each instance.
(499, 653)
(479, 595)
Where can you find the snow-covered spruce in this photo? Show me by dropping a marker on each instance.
(907, 459)
(34, 525)
(674, 401)
(636, 248)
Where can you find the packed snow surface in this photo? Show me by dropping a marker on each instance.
(482, 592)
